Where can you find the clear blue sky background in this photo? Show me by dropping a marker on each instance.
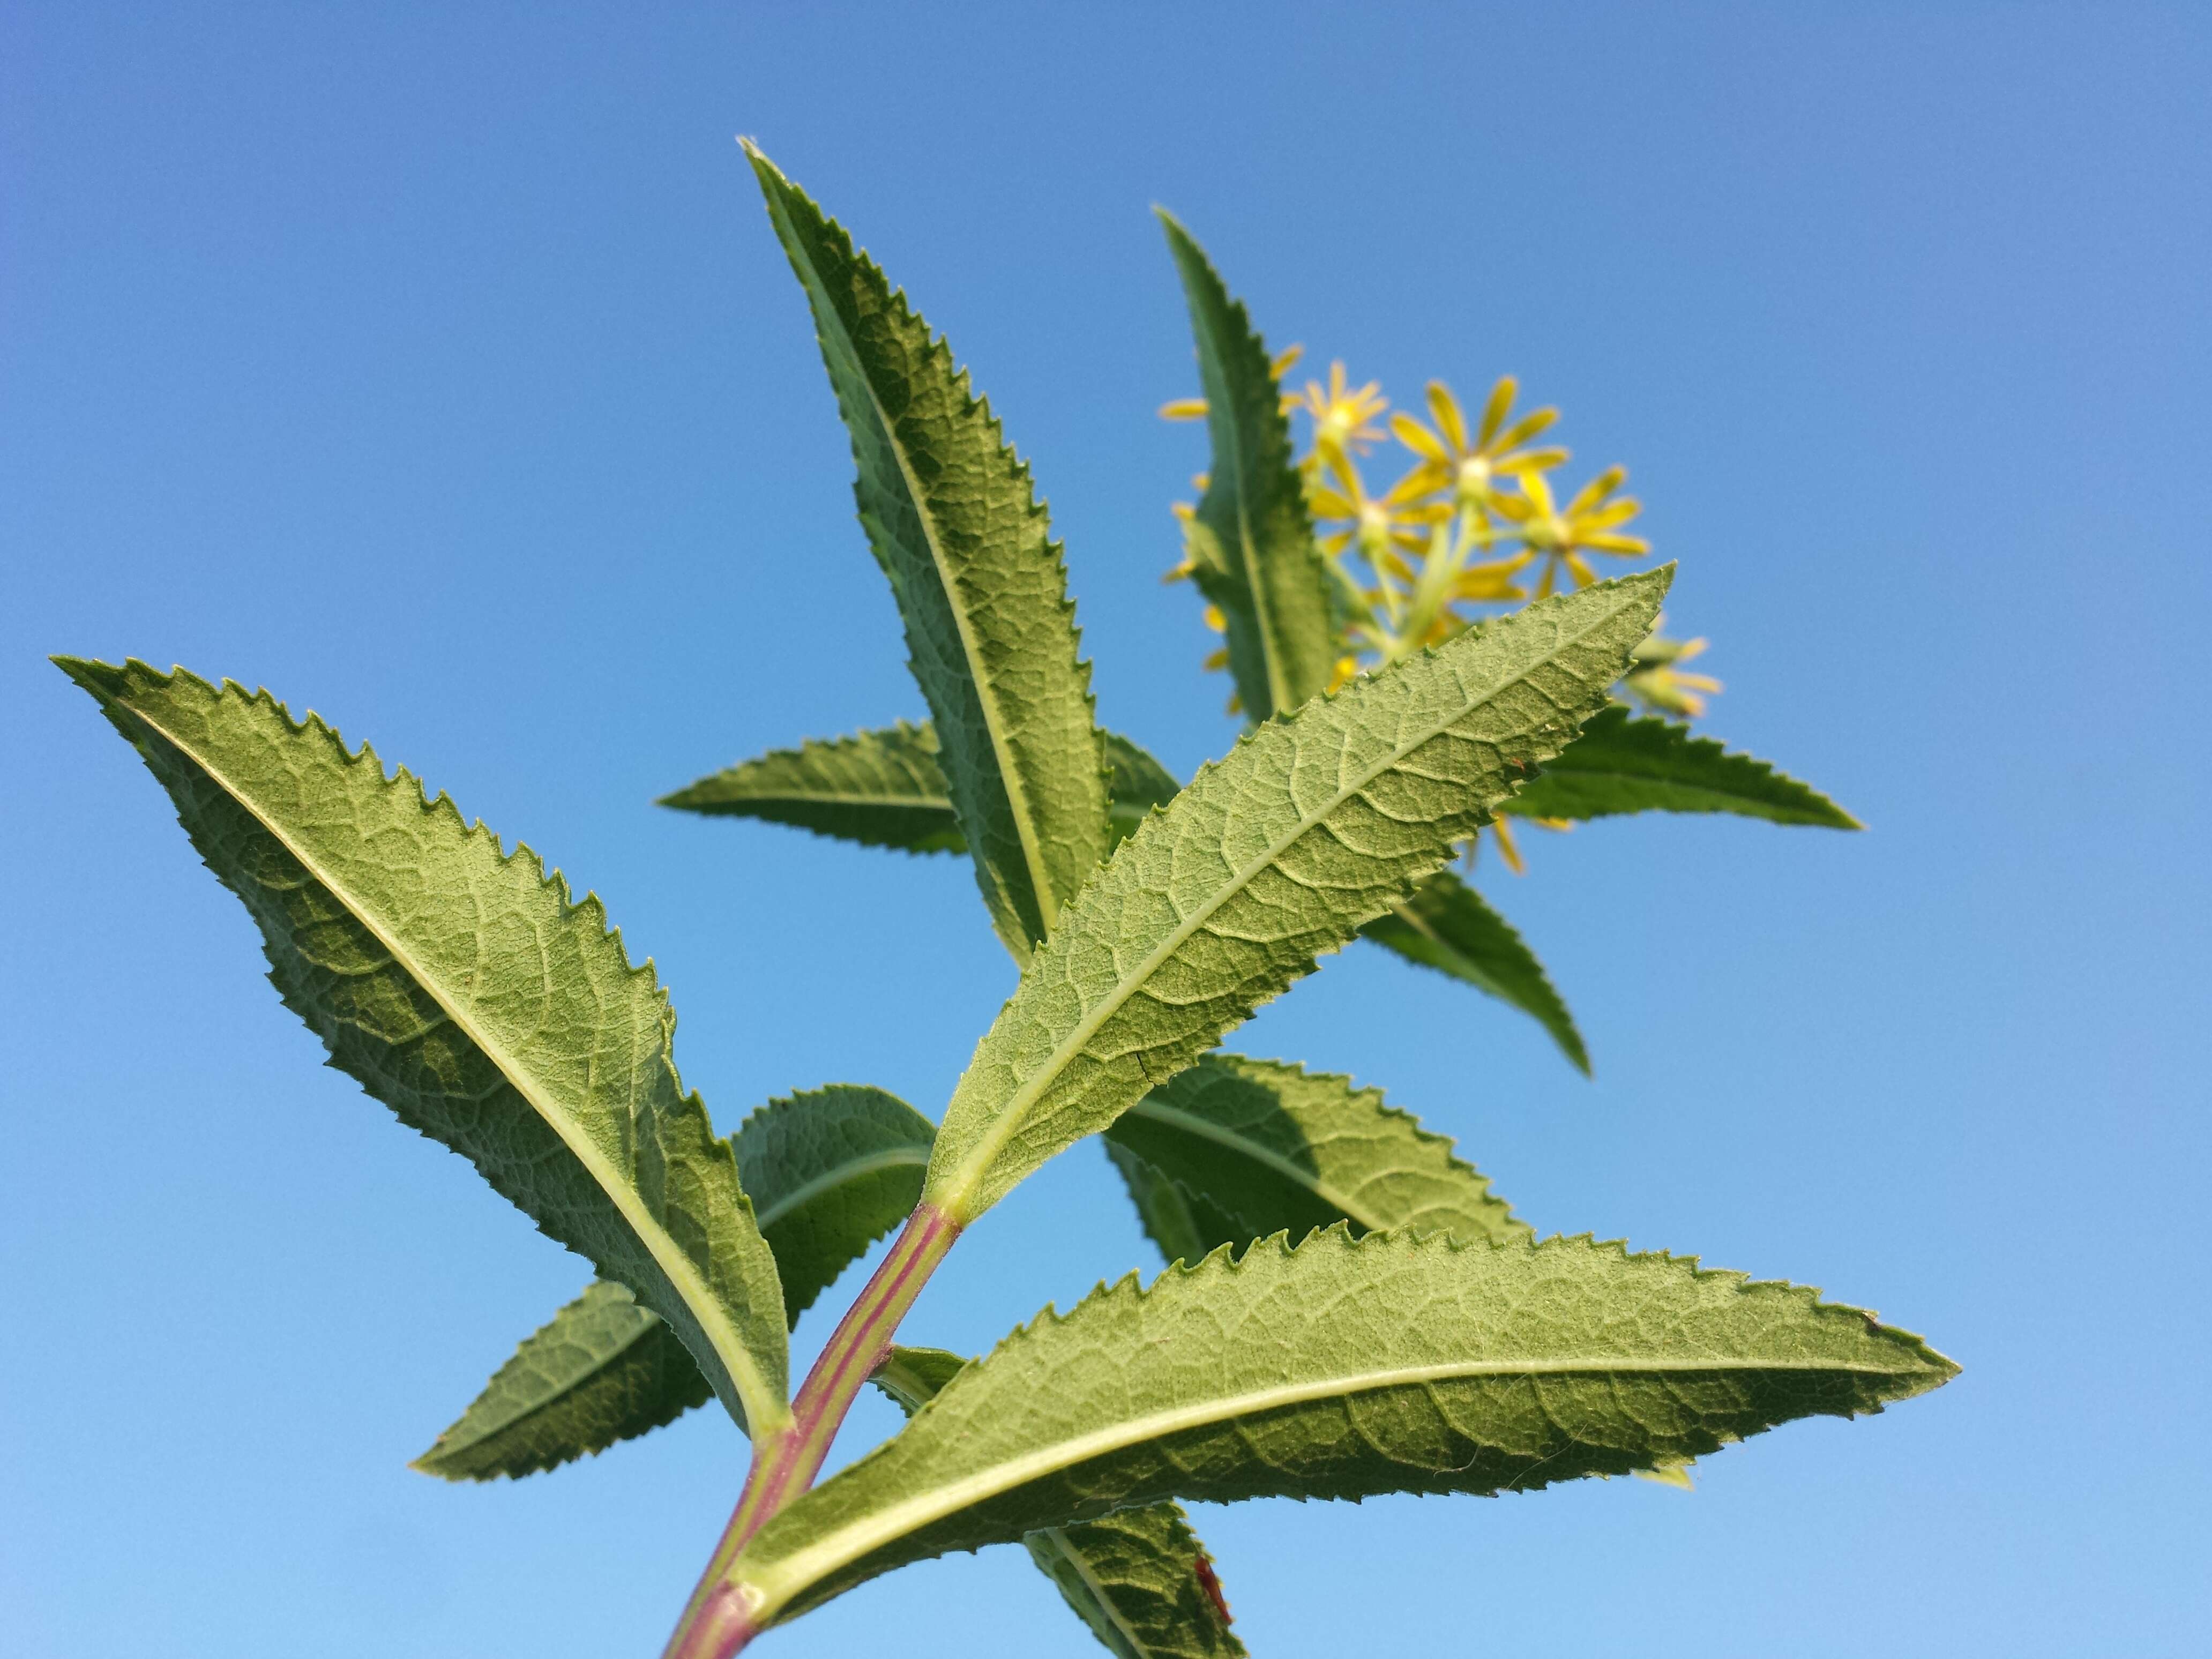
(435, 367)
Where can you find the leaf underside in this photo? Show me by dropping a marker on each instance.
(603, 1370)
(883, 788)
(460, 985)
(880, 788)
(991, 636)
(1446, 925)
(831, 1170)
(1308, 828)
(1621, 763)
(1246, 1148)
(1341, 1368)
(1250, 542)
(1134, 1578)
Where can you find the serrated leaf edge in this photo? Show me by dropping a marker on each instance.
(1820, 812)
(1149, 1107)
(765, 1407)
(424, 1464)
(1010, 778)
(849, 1542)
(952, 1196)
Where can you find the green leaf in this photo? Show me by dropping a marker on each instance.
(1142, 1581)
(1624, 764)
(990, 631)
(885, 789)
(881, 788)
(913, 1377)
(1341, 1368)
(831, 1171)
(460, 985)
(1139, 1579)
(603, 1370)
(1251, 542)
(1258, 1147)
(1310, 828)
(1449, 926)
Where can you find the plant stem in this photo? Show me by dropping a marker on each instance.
(718, 1621)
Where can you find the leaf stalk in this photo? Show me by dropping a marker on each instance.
(718, 1620)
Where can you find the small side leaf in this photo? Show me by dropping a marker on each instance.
(605, 1370)
(1139, 1579)
(1251, 542)
(460, 984)
(1310, 827)
(885, 789)
(832, 1170)
(881, 788)
(1624, 764)
(950, 512)
(1252, 1147)
(1341, 1368)
(1450, 928)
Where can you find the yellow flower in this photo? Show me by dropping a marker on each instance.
(1655, 682)
(1342, 413)
(1193, 408)
(1471, 469)
(1398, 519)
(1588, 524)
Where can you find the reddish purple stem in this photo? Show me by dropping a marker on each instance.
(718, 1622)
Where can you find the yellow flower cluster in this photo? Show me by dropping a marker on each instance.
(1473, 522)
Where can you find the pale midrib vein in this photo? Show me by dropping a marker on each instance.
(1308, 1179)
(889, 1158)
(763, 1410)
(1009, 1115)
(782, 1580)
(1074, 1557)
(986, 695)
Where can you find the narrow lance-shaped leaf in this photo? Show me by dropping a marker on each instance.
(881, 788)
(1254, 1148)
(1310, 828)
(831, 1170)
(1140, 1578)
(1624, 764)
(885, 789)
(1341, 1368)
(1446, 925)
(990, 631)
(603, 1369)
(1251, 542)
(460, 985)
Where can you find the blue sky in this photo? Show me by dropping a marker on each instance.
(435, 367)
